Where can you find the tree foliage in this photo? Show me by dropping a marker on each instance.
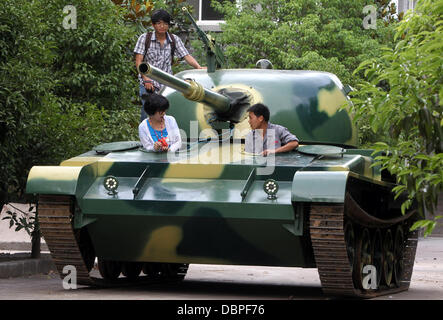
(92, 62)
(402, 101)
(302, 34)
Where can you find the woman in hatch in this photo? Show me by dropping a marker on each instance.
(159, 132)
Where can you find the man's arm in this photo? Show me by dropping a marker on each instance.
(291, 145)
(149, 86)
(287, 140)
(192, 62)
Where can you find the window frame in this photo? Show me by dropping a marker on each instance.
(210, 25)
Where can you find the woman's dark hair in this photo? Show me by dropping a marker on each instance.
(155, 102)
(260, 109)
(162, 15)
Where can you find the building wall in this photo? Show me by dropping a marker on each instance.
(404, 5)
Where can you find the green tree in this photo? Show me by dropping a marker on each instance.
(92, 62)
(24, 83)
(402, 101)
(302, 34)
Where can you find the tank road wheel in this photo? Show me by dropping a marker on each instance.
(109, 270)
(152, 269)
(350, 242)
(377, 255)
(398, 255)
(131, 270)
(175, 271)
(388, 258)
(86, 248)
(363, 256)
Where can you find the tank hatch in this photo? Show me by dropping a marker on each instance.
(116, 146)
(321, 150)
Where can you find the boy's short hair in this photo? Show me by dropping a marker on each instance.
(260, 109)
(155, 102)
(162, 15)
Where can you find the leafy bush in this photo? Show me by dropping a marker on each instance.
(24, 82)
(402, 101)
(93, 63)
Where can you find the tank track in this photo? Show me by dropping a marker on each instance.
(332, 253)
(55, 216)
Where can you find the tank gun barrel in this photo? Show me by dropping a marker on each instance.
(190, 89)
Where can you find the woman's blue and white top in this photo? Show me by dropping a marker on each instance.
(172, 131)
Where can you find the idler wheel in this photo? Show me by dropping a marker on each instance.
(377, 255)
(131, 270)
(109, 270)
(350, 242)
(398, 255)
(363, 256)
(388, 258)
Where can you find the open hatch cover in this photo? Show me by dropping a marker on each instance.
(116, 146)
(321, 150)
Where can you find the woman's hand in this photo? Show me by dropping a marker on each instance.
(158, 146)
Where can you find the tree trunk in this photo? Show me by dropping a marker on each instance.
(35, 242)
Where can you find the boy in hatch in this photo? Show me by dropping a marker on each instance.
(265, 137)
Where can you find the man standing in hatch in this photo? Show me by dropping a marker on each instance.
(158, 49)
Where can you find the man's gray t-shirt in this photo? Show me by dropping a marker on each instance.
(275, 137)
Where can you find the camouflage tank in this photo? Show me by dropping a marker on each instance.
(148, 215)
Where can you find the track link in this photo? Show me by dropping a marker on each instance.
(55, 215)
(331, 256)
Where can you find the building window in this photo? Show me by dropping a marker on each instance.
(405, 5)
(207, 12)
(206, 16)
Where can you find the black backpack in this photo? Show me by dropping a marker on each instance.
(148, 44)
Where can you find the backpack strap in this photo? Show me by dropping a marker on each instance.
(172, 47)
(147, 44)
